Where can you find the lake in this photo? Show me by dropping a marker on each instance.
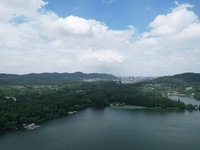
(186, 100)
(111, 129)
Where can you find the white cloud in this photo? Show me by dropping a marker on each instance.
(174, 22)
(171, 40)
(10, 9)
(46, 42)
(182, 6)
(106, 57)
(72, 25)
(37, 40)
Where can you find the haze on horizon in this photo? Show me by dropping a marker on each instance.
(140, 38)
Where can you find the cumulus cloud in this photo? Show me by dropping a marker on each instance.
(105, 57)
(42, 41)
(173, 23)
(10, 9)
(171, 40)
(37, 40)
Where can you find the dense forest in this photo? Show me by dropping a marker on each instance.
(26, 103)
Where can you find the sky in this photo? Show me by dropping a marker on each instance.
(120, 37)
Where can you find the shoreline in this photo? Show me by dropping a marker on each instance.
(128, 107)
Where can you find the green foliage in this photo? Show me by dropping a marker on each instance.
(188, 77)
(177, 83)
(189, 107)
(197, 95)
(50, 78)
(35, 103)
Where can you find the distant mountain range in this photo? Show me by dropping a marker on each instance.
(50, 78)
(179, 78)
(59, 78)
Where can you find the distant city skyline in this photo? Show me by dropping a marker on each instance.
(119, 37)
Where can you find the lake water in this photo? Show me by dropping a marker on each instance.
(186, 100)
(111, 129)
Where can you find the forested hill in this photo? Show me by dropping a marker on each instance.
(185, 84)
(188, 77)
(50, 78)
(179, 78)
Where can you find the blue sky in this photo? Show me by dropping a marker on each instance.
(117, 14)
(120, 37)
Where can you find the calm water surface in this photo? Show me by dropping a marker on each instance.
(111, 129)
(186, 100)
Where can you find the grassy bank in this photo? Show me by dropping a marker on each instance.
(129, 107)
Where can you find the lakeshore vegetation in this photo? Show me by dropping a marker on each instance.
(27, 103)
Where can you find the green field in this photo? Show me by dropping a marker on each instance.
(127, 107)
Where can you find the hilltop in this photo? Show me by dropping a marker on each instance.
(51, 78)
(184, 77)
